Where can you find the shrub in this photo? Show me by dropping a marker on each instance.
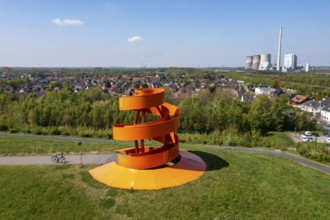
(3, 128)
(65, 130)
(12, 130)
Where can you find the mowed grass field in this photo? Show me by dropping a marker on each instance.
(16, 146)
(10, 146)
(236, 185)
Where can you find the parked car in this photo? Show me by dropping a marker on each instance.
(315, 134)
(308, 133)
(327, 139)
(304, 138)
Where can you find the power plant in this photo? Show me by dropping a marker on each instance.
(258, 62)
(290, 62)
(248, 63)
(265, 62)
(262, 62)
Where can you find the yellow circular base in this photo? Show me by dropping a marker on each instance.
(189, 168)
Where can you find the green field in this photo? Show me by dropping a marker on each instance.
(37, 146)
(236, 185)
(279, 140)
(31, 146)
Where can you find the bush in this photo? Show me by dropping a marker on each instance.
(65, 130)
(85, 132)
(215, 138)
(318, 152)
(3, 128)
(55, 131)
(245, 140)
(12, 130)
(36, 130)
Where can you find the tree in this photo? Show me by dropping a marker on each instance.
(53, 85)
(278, 113)
(193, 118)
(259, 115)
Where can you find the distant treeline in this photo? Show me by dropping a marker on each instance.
(311, 84)
(93, 112)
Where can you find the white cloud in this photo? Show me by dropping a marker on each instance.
(166, 54)
(67, 22)
(134, 39)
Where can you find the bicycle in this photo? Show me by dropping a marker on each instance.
(58, 158)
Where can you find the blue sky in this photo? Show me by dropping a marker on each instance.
(162, 33)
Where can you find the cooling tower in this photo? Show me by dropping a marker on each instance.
(265, 62)
(266, 58)
(248, 63)
(256, 62)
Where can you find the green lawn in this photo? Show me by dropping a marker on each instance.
(279, 140)
(36, 146)
(25, 146)
(237, 185)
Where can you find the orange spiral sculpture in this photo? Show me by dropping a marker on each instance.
(145, 167)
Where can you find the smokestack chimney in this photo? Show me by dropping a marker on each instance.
(278, 67)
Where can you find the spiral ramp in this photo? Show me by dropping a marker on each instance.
(145, 167)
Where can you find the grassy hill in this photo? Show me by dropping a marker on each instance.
(237, 185)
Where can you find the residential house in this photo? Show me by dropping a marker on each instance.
(325, 114)
(325, 111)
(297, 100)
(312, 106)
(264, 90)
(245, 97)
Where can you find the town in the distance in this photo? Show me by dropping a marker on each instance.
(245, 84)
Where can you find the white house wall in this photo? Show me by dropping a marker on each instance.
(325, 116)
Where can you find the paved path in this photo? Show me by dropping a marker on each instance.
(280, 154)
(96, 159)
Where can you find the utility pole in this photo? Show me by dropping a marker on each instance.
(81, 149)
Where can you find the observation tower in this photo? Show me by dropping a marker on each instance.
(149, 167)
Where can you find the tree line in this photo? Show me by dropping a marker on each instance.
(94, 109)
(220, 111)
(311, 84)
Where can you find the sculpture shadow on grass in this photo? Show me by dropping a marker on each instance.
(212, 161)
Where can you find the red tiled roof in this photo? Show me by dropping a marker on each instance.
(298, 99)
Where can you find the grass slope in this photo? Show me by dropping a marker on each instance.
(35, 146)
(237, 185)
